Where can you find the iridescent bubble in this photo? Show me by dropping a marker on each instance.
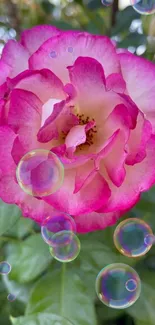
(107, 3)
(111, 286)
(131, 285)
(65, 250)
(144, 7)
(40, 173)
(149, 239)
(130, 237)
(5, 268)
(57, 223)
(11, 297)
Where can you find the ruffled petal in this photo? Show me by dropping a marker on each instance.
(31, 207)
(95, 221)
(5, 71)
(140, 82)
(138, 140)
(25, 110)
(16, 57)
(33, 38)
(61, 51)
(139, 178)
(58, 123)
(44, 84)
(88, 199)
(7, 137)
(116, 83)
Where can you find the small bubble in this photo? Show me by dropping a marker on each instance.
(107, 3)
(11, 297)
(53, 54)
(5, 268)
(40, 173)
(130, 237)
(70, 49)
(66, 248)
(131, 285)
(111, 286)
(149, 239)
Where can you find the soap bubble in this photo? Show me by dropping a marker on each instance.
(111, 286)
(5, 268)
(57, 223)
(65, 250)
(130, 237)
(40, 173)
(131, 285)
(11, 297)
(107, 3)
(144, 7)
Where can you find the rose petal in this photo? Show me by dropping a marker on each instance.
(95, 221)
(25, 110)
(31, 207)
(16, 57)
(138, 140)
(140, 72)
(116, 83)
(44, 84)
(89, 198)
(55, 55)
(139, 178)
(33, 38)
(7, 137)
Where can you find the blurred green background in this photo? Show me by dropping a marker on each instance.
(40, 286)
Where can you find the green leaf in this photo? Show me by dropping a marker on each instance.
(21, 228)
(40, 319)
(21, 291)
(133, 39)
(65, 294)
(94, 4)
(144, 309)
(28, 258)
(9, 215)
(124, 19)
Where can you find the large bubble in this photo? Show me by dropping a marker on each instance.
(40, 173)
(133, 237)
(118, 286)
(144, 7)
(55, 223)
(66, 246)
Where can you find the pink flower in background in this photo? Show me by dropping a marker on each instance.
(71, 93)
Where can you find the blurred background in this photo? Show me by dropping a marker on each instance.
(32, 274)
(119, 21)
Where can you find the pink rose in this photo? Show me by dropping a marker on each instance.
(104, 102)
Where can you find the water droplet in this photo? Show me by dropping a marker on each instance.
(11, 297)
(53, 54)
(5, 268)
(70, 49)
(40, 173)
(107, 3)
(129, 237)
(67, 246)
(111, 286)
(143, 7)
(54, 224)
